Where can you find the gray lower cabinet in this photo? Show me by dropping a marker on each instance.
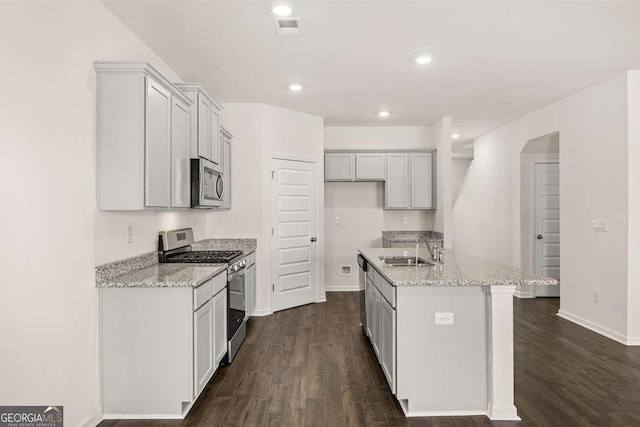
(251, 285)
(339, 166)
(143, 144)
(160, 347)
(381, 324)
(203, 345)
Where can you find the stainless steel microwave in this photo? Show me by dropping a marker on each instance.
(207, 184)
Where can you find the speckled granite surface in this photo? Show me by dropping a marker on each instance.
(246, 245)
(107, 272)
(138, 271)
(456, 270)
(411, 236)
(165, 276)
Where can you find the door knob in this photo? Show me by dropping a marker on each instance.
(313, 239)
(539, 237)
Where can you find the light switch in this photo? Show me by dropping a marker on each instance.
(600, 224)
(444, 319)
(338, 221)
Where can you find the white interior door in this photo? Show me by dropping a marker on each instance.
(546, 258)
(293, 208)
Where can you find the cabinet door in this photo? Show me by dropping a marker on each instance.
(339, 166)
(370, 166)
(388, 343)
(214, 126)
(368, 304)
(220, 326)
(375, 327)
(157, 146)
(226, 173)
(180, 155)
(204, 128)
(396, 187)
(422, 180)
(203, 346)
(251, 290)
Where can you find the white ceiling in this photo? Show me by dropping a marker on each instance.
(493, 61)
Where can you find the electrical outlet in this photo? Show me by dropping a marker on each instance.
(405, 220)
(444, 318)
(338, 221)
(596, 297)
(129, 233)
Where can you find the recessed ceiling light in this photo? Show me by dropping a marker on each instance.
(455, 136)
(282, 10)
(295, 87)
(423, 59)
(383, 114)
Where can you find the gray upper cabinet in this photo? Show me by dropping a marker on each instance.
(422, 180)
(141, 138)
(205, 122)
(180, 155)
(410, 180)
(397, 185)
(225, 141)
(370, 166)
(339, 166)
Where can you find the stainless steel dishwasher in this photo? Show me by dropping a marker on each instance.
(362, 281)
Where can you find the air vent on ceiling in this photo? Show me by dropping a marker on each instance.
(288, 26)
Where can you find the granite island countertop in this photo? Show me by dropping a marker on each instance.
(456, 270)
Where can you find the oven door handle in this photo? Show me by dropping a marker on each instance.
(235, 275)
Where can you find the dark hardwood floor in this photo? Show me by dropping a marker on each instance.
(313, 366)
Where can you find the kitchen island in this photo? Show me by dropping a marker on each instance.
(443, 333)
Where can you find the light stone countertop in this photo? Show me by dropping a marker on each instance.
(165, 276)
(411, 236)
(456, 270)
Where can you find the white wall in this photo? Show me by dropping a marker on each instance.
(633, 304)
(441, 137)
(261, 132)
(359, 205)
(594, 182)
(459, 168)
(53, 234)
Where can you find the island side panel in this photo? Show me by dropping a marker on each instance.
(146, 347)
(442, 370)
(501, 376)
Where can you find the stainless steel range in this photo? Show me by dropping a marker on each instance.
(175, 247)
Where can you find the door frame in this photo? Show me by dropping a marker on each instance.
(272, 239)
(532, 224)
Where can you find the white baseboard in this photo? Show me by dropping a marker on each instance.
(469, 413)
(522, 293)
(143, 417)
(323, 298)
(602, 330)
(342, 288)
(503, 413)
(93, 420)
(259, 312)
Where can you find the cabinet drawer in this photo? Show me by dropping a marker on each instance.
(386, 289)
(219, 282)
(203, 293)
(370, 272)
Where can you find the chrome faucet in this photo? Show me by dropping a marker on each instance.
(432, 248)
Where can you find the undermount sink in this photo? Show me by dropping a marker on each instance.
(397, 261)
